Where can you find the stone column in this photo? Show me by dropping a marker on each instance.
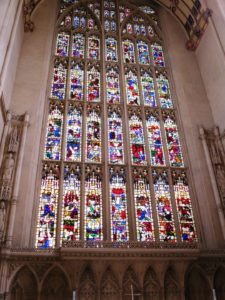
(4, 136)
(17, 182)
(213, 181)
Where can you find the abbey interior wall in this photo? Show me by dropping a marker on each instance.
(30, 94)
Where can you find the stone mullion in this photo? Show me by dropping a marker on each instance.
(83, 156)
(129, 185)
(63, 151)
(104, 113)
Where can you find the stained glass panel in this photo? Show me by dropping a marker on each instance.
(74, 134)
(62, 44)
(148, 89)
(115, 136)
(184, 207)
(59, 80)
(112, 86)
(143, 210)
(71, 204)
(137, 142)
(78, 45)
(47, 214)
(158, 56)
(93, 148)
(143, 53)
(119, 218)
(155, 140)
(93, 207)
(94, 47)
(164, 208)
(54, 133)
(132, 88)
(128, 52)
(76, 82)
(111, 49)
(164, 91)
(93, 82)
(173, 142)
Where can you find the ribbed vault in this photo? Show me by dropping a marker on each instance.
(189, 13)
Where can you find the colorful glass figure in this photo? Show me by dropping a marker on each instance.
(107, 25)
(164, 208)
(66, 22)
(143, 209)
(78, 45)
(54, 133)
(137, 140)
(59, 80)
(119, 218)
(158, 56)
(74, 134)
(115, 135)
(151, 31)
(71, 205)
(164, 91)
(173, 142)
(143, 29)
(184, 207)
(129, 28)
(62, 44)
(93, 148)
(94, 47)
(76, 82)
(143, 53)
(112, 86)
(93, 84)
(137, 29)
(47, 214)
(147, 9)
(128, 52)
(111, 49)
(155, 141)
(132, 89)
(148, 89)
(93, 207)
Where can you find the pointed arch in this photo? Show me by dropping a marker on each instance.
(109, 286)
(24, 285)
(87, 285)
(130, 281)
(197, 286)
(151, 285)
(56, 285)
(171, 286)
(219, 283)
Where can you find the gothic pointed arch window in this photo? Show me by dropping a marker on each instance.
(113, 164)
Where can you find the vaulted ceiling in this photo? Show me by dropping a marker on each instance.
(189, 13)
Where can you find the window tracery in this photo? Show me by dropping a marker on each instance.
(112, 118)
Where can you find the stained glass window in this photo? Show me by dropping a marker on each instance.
(155, 140)
(112, 85)
(93, 133)
(93, 207)
(148, 89)
(184, 207)
(76, 82)
(71, 204)
(74, 134)
(118, 197)
(137, 142)
(164, 91)
(59, 80)
(164, 208)
(115, 138)
(47, 215)
(132, 88)
(54, 133)
(142, 196)
(112, 149)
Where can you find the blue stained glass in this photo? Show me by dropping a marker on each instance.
(76, 82)
(119, 219)
(74, 135)
(164, 91)
(143, 53)
(59, 81)
(132, 89)
(111, 49)
(78, 45)
(112, 86)
(148, 90)
(128, 52)
(158, 56)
